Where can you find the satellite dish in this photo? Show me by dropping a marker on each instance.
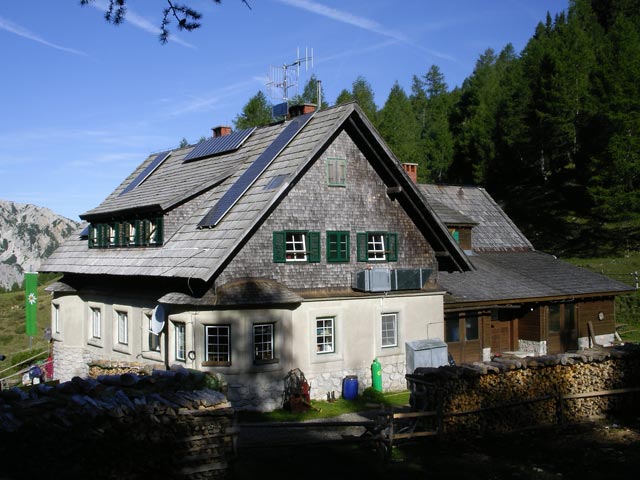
(157, 319)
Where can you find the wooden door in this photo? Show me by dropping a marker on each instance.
(501, 336)
(463, 334)
(563, 335)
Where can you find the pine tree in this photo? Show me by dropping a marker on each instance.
(397, 125)
(256, 113)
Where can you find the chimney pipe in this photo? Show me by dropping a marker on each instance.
(221, 131)
(412, 171)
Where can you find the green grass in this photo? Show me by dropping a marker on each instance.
(325, 409)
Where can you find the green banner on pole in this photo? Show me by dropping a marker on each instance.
(31, 302)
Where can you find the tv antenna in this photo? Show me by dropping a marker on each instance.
(284, 78)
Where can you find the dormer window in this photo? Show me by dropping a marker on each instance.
(462, 235)
(147, 232)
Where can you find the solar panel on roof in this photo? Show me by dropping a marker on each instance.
(252, 173)
(214, 146)
(149, 169)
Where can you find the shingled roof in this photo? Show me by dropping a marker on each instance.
(518, 276)
(494, 230)
(189, 190)
(507, 267)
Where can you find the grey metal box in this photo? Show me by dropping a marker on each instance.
(426, 353)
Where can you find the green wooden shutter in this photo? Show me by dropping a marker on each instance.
(159, 231)
(117, 232)
(279, 249)
(314, 246)
(362, 246)
(137, 235)
(392, 247)
(144, 233)
(103, 234)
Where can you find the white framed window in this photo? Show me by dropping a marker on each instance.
(296, 246)
(132, 237)
(122, 319)
(375, 246)
(153, 340)
(180, 338)
(112, 235)
(263, 340)
(96, 323)
(218, 344)
(389, 329)
(56, 318)
(325, 335)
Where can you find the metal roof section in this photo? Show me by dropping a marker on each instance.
(242, 184)
(155, 163)
(218, 145)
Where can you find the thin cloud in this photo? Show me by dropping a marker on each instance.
(142, 23)
(206, 102)
(364, 23)
(346, 17)
(24, 33)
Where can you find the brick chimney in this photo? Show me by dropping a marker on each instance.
(301, 109)
(221, 131)
(412, 171)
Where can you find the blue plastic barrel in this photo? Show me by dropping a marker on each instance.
(350, 387)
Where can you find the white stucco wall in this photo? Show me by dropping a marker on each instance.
(260, 387)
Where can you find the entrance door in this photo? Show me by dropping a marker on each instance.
(501, 336)
(503, 331)
(462, 334)
(563, 335)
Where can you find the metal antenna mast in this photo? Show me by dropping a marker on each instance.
(284, 78)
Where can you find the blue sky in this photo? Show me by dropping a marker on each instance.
(84, 103)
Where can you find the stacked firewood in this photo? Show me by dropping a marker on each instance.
(167, 424)
(512, 393)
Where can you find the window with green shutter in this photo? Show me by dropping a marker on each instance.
(377, 247)
(337, 247)
(296, 246)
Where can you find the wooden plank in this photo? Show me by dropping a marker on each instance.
(415, 414)
(400, 436)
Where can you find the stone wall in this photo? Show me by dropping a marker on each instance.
(513, 393)
(118, 426)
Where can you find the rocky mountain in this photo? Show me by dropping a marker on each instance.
(28, 234)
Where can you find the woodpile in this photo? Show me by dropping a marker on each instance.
(513, 393)
(165, 424)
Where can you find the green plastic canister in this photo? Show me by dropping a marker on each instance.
(376, 375)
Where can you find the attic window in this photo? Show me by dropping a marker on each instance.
(147, 232)
(336, 172)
